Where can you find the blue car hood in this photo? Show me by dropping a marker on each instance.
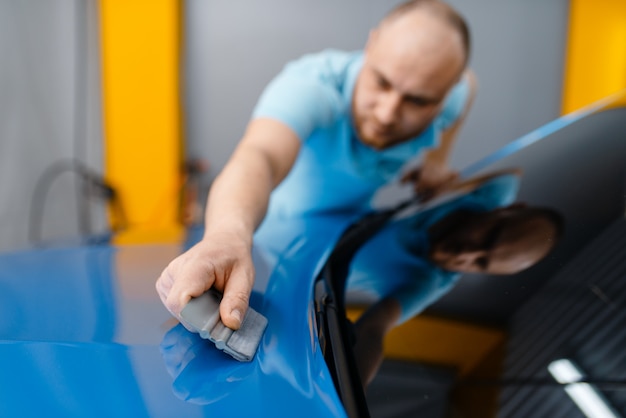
(83, 333)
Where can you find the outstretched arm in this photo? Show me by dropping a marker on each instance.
(471, 184)
(236, 206)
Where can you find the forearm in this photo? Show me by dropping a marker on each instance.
(469, 185)
(239, 197)
(237, 203)
(441, 155)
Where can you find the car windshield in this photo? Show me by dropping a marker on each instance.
(507, 343)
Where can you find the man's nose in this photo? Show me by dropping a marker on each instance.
(388, 107)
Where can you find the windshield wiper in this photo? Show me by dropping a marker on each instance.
(334, 332)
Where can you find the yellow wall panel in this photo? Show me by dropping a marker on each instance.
(440, 341)
(143, 149)
(595, 64)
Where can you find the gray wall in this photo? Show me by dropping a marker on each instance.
(49, 114)
(234, 48)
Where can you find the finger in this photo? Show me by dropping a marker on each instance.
(236, 298)
(410, 176)
(190, 281)
(163, 285)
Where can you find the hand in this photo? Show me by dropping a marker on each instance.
(430, 180)
(222, 261)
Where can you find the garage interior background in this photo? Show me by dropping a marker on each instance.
(53, 83)
(63, 110)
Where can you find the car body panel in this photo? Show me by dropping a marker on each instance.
(83, 333)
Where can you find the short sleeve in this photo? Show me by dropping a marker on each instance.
(454, 104)
(303, 96)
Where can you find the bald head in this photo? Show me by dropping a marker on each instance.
(504, 241)
(424, 42)
(523, 241)
(412, 61)
(437, 10)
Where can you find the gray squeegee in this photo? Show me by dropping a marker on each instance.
(202, 314)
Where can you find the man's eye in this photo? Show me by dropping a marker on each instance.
(418, 101)
(382, 83)
(482, 263)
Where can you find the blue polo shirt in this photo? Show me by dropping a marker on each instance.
(334, 170)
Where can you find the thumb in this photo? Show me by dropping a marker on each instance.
(236, 298)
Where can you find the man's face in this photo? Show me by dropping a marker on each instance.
(494, 244)
(410, 65)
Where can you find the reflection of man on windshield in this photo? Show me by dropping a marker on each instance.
(416, 260)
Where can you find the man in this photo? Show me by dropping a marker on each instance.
(480, 231)
(327, 133)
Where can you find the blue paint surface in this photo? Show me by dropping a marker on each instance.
(83, 333)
